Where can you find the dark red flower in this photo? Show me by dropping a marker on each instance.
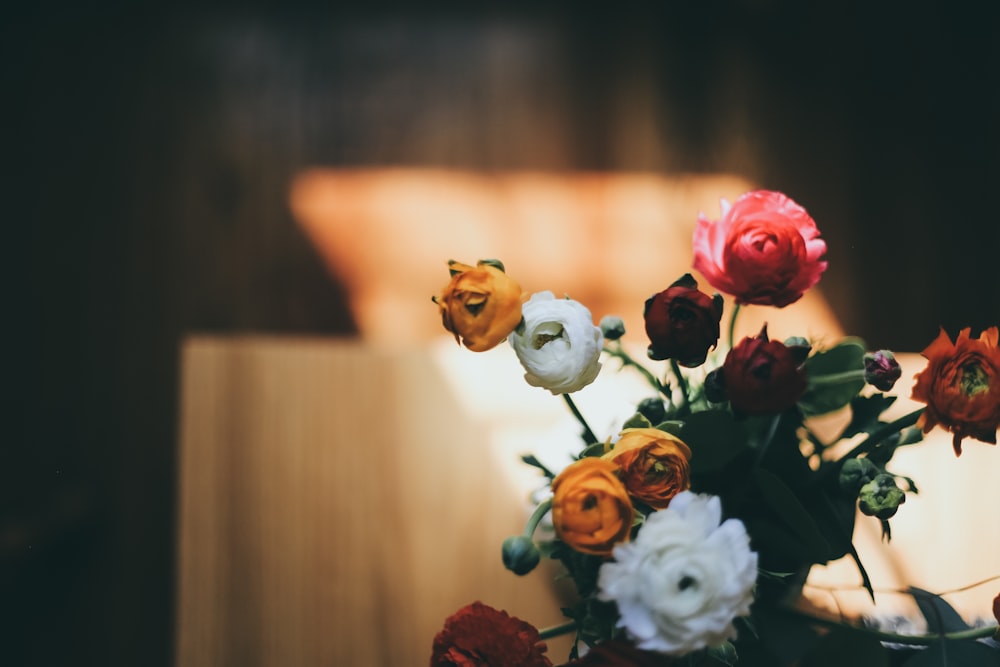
(961, 386)
(613, 653)
(996, 607)
(478, 635)
(682, 323)
(762, 376)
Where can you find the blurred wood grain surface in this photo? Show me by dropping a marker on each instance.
(337, 501)
(334, 508)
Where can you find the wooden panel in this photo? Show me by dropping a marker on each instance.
(334, 508)
(339, 500)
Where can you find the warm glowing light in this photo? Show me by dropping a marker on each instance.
(609, 240)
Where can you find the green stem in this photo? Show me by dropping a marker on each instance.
(910, 640)
(872, 440)
(536, 517)
(557, 630)
(771, 430)
(588, 435)
(732, 324)
(627, 360)
(836, 378)
(683, 385)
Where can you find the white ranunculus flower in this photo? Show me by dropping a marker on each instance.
(684, 579)
(558, 345)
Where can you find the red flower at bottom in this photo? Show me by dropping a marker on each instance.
(478, 635)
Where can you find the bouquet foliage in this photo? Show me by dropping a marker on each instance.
(689, 533)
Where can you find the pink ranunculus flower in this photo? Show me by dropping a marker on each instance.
(764, 250)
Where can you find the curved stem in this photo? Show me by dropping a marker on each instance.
(771, 430)
(732, 324)
(627, 360)
(866, 581)
(910, 640)
(683, 385)
(836, 378)
(536, 517)
(875, 438)
(588, 435)
(557, 630)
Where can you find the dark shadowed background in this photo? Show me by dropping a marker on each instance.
(148, 162)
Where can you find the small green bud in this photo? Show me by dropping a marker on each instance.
(715, 386)
(800, 348)
(855, 473)
(653, 409)
(881, 497)
(613, 327)
(520, 555)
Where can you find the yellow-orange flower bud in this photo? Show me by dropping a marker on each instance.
(481, 305)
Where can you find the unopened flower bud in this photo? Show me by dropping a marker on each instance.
(881, 497)
(613, 327)
(855, 473)
(881, 369)
(715, 386)
(520, 555)
(800, 348)
(653, 410)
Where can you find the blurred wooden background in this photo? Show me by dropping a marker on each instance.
(336, 505)
(339, 499)
(150, 155)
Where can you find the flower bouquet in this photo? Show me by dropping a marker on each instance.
(689, 532)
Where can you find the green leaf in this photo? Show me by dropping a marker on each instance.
(715, 439)
(786, 505)
(865, 411)
(910, 436)
(773, 540)
(940, 616)
(671, 426)
(495, 263)
(724, 653)
(596, 449)
(955, 654)
(638, 420)
(532, 461)
(823, 397)
(844, 647)
(787, 636)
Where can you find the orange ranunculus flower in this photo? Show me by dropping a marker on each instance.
(591, 510)
(481, 305)
(654, 465)
(961, 386)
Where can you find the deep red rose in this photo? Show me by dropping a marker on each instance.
(961, 386)
(762, 376)
(682, 323)
(996, 607)
(613, 653)
(478, 635)
(764, 250)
